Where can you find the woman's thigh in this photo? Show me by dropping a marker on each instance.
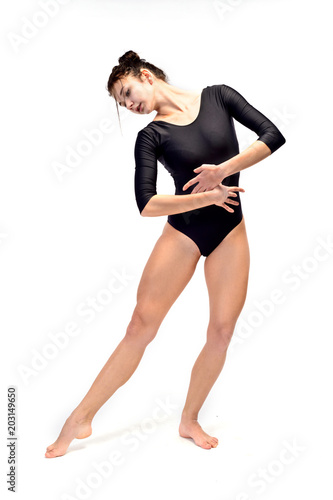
(226, 274)
(169, 268)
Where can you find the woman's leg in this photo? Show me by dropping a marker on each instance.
(226, 273)
(167, 272)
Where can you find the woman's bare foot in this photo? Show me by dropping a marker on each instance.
(190, 428)
(74, 427)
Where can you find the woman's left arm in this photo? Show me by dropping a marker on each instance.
(209, 176)
(250, 156)
(269, 140)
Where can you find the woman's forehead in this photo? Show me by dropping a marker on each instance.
(119, 85)
(117, 89)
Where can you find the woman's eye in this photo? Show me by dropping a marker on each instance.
(127, 93)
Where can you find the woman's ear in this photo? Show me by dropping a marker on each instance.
(146, 75)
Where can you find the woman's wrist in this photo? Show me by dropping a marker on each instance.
(202, 199)
(171, 204)
(210, 197)
(223, 170)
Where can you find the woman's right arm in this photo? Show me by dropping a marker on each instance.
(169, 204)
(151, 204)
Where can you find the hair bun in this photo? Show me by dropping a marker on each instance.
(129, 58)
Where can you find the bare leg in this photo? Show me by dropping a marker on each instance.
(167, 272)
(226, 273)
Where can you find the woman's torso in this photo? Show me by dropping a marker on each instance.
(209, 138)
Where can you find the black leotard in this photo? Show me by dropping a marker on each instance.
(210, 138)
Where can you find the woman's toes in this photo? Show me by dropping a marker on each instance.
(192, 429)
(72, 429)
(50, 452)
(214, 442)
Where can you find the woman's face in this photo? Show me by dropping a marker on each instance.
(137, 95)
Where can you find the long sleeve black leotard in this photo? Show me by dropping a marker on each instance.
(210, 138)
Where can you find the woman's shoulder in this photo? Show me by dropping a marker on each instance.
(217, 91)
(215, 86)
(148, 136)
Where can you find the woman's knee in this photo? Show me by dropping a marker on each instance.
(141, 328)
(219, 334)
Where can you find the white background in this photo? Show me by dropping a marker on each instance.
(61, 238)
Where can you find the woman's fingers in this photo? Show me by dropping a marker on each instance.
(228, 192)
(236, 188)
(199, 169)
(188, 184)
(227, 208)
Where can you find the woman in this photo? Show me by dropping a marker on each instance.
(190, 129)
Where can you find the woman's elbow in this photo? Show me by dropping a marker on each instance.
(146, 210)
(277, 140)
(280, 140)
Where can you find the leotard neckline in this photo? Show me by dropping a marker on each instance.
(187, 124)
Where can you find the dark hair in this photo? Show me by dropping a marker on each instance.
(131, 64)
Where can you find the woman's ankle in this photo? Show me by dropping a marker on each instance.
(189, 415)
(82, 415)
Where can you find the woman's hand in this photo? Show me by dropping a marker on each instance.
(209, 176)
(221, 194)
